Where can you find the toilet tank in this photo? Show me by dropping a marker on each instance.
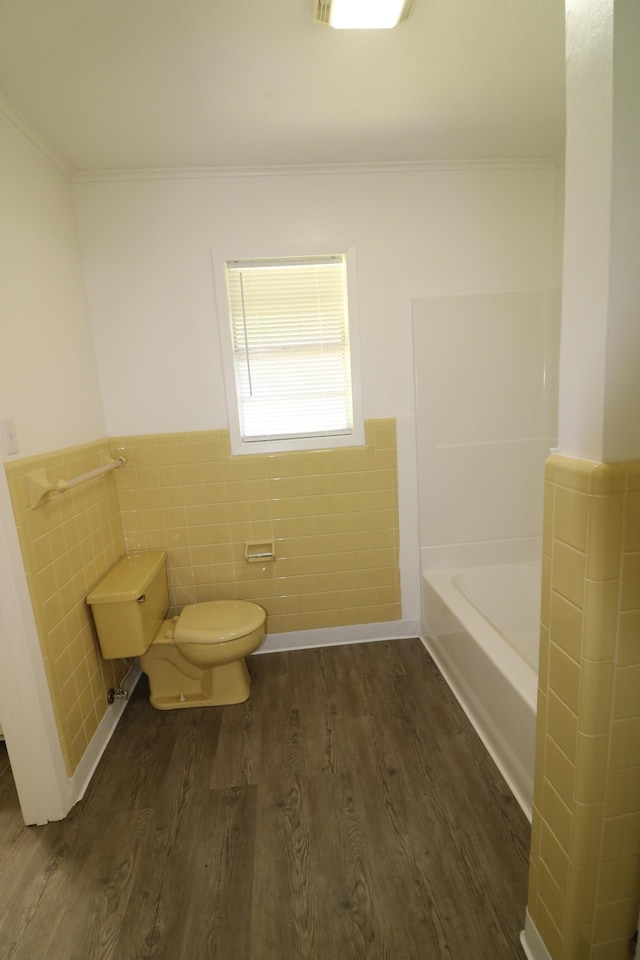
(130, 603)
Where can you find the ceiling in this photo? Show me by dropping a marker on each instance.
(138, 84)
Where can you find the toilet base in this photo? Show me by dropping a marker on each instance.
(175, 684)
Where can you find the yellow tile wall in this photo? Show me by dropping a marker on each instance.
(584, 876)
(68, 543)
(332, 514)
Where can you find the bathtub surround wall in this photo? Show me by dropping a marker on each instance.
(486, 384)
(68, 543)
(331, 514)
(584, 884)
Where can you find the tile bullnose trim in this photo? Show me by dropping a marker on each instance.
(20, 466)
(587, 476)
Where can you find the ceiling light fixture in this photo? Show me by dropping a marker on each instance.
(361, 14)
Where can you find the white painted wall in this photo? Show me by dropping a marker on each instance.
(48, 386)
(622, 376)
(599, 405)
(421, 233)
(589, 82)
(48, 373)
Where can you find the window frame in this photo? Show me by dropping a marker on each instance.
(220, 257)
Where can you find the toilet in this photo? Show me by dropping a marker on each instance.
(195, 660)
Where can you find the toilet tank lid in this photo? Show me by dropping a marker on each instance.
(216, 621)
(129, 578)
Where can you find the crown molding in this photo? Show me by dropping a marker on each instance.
(328, 169)
(285, 170)
(37, 139)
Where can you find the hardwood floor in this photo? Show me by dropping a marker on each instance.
(348, 810)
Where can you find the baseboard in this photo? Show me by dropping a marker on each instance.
(336, 636)
(100, 740)
(532, 943)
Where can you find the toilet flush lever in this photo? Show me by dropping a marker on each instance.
(141, 599)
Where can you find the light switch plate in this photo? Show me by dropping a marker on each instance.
(9, 437)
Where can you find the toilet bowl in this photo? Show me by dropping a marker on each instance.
(196, 659)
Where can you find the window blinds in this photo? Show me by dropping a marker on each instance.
(290, 340)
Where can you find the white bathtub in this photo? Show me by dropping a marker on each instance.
(481, 625)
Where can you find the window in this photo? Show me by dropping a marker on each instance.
(287, 346)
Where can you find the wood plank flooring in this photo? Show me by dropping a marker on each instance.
(346, 811)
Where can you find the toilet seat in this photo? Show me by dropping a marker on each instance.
(218, 621)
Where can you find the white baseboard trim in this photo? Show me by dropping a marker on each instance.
(100, 740)
(337, 636)
(532, 943)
